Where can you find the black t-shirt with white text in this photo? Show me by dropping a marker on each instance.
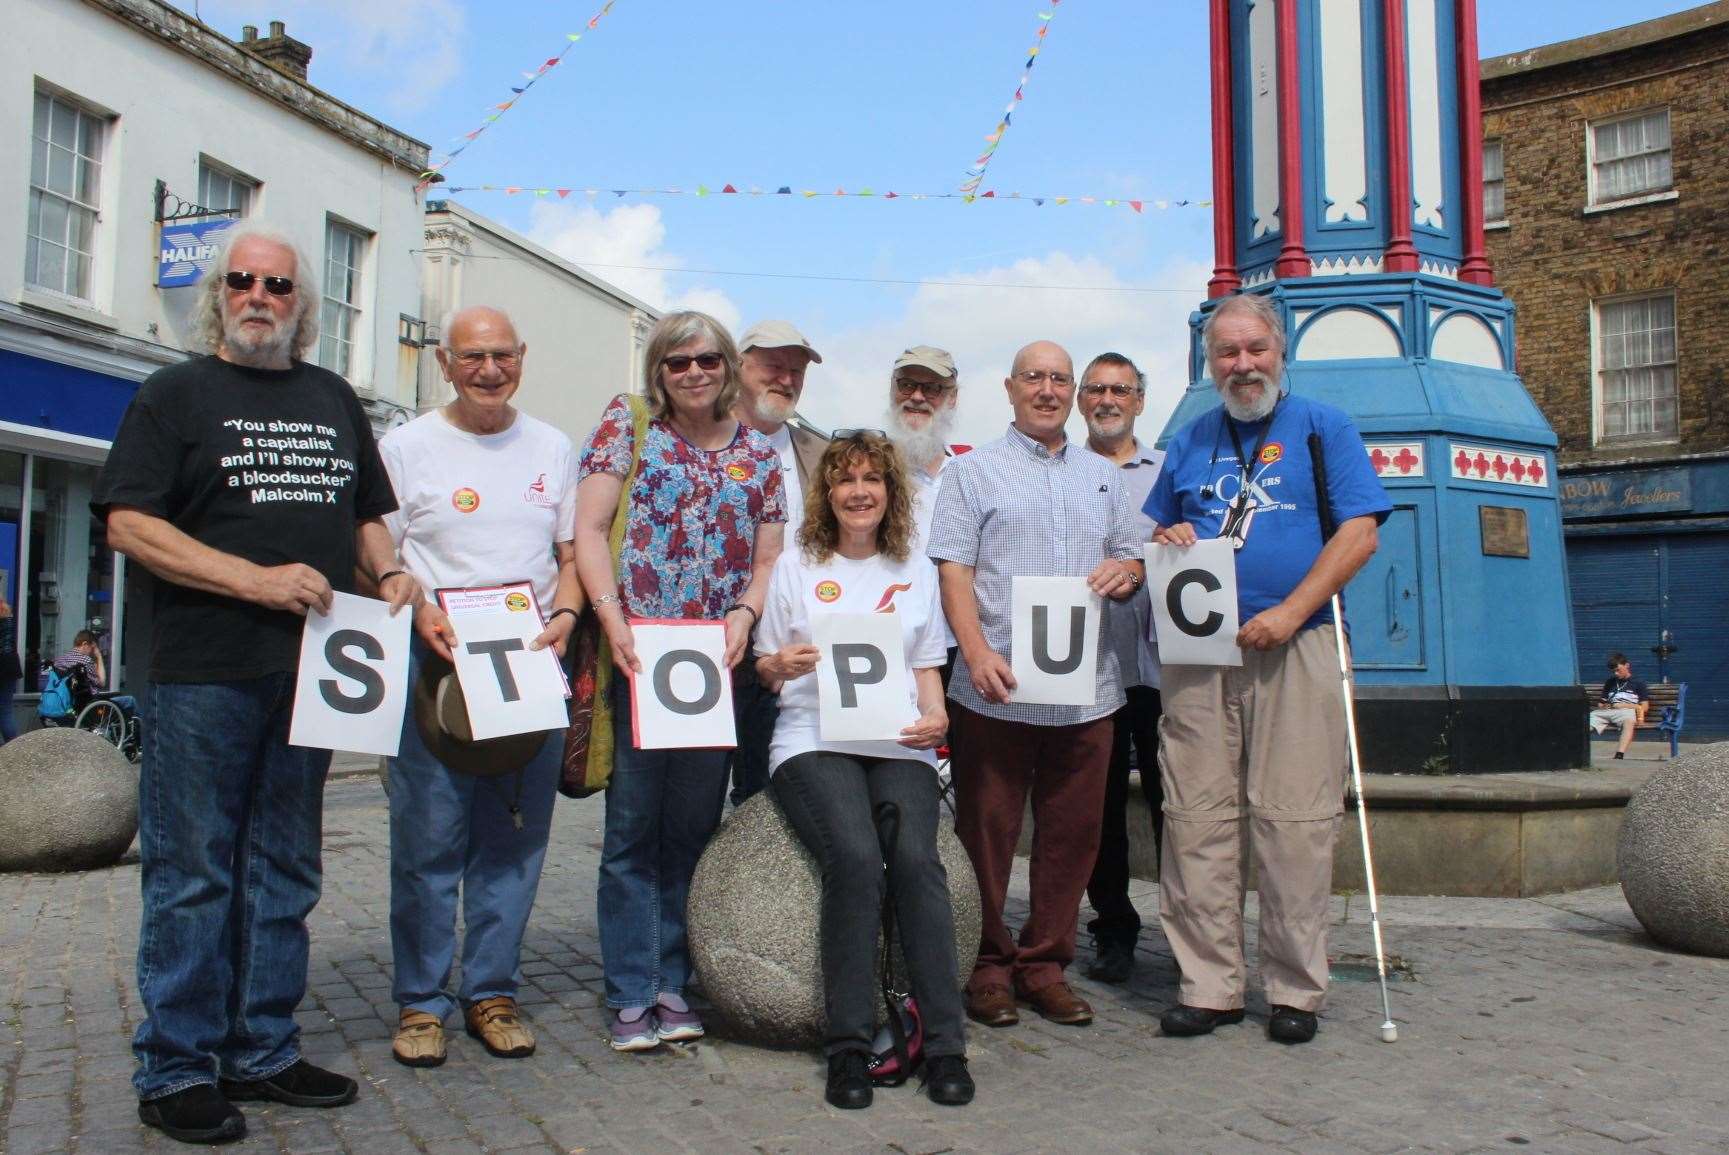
(270, 465)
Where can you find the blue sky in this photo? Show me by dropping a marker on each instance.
(820, 94)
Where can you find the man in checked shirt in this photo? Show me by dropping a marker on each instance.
(1029, 505)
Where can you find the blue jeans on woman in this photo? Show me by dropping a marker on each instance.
(230, 826)
(662, 806)
(448, 830)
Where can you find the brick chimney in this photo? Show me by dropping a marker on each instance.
(279, 48)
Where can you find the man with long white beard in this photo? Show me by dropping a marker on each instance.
(1266, 739)
(923, 390)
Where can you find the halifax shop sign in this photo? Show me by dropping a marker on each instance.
(186, 248)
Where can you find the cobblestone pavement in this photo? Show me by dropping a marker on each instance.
(1535, 1025)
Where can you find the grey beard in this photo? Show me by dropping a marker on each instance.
(922, 448)
(771, 410)
(1254, 411)
(272, 352)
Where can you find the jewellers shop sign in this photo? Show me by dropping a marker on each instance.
(186, 248)
(1624, 493)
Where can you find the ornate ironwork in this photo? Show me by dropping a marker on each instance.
(183, 209)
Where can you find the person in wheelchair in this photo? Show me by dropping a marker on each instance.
(91, 679)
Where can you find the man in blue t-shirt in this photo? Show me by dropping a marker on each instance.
(1269, 734)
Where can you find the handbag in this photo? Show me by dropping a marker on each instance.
(588, 739)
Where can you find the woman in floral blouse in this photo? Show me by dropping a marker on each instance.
(705, 513)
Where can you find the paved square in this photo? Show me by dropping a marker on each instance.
(1532, 1025)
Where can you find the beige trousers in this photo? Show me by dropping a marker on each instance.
(1255, 753)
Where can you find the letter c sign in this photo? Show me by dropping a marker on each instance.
(1207, 626)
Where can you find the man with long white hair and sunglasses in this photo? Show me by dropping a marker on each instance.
(247, 481)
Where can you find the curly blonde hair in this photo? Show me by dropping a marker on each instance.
(820, 533)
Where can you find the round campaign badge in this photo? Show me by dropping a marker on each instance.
(738, 472)
(465, 500)
(1272, 453)
(827, 591)
(515, 602)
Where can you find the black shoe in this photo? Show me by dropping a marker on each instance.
(1618, 754)
(849, 1085)
(946, 1080)
(1289, 1025)
(1114, 959)
(301, 1085)
(1186, 1020)
(196, 1115)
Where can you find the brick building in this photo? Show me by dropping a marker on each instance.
(1606, 189)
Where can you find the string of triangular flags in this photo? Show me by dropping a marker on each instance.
(976, 174)
(517, 92)
(1136, 204)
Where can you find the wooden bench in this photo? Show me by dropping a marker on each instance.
(1666, 713)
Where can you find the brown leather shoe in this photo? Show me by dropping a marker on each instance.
(994, 1006)
(419, 1040)
(499, 1028)
(1059, 1004)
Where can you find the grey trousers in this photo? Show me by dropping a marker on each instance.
(1256, 752)
(830, 800)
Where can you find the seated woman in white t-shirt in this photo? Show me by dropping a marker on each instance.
(853, 557)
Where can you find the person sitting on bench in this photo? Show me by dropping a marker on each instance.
(1624, 701)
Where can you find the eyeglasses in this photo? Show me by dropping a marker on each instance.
(1039, 376)
(1116, 389)
(242, 282)
(680, 362)
(477, 358)
(856, 434)
(906, 387)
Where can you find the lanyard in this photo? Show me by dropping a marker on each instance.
(1247, 464)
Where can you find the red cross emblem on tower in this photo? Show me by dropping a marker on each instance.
(1406, 461)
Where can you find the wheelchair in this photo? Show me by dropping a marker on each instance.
(68, 700)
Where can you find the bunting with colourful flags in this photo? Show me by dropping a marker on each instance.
(517, 92)
(976, 173)
(1135, 204)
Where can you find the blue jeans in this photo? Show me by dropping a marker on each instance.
(230, 826)
(661, 808)
(450, 830)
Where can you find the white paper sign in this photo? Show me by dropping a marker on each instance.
(509, 688)
(353, 682)
(861, 677)
(1054, 641)
(1193, 589)
(683, 698)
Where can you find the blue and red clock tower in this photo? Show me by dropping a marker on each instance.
(1347, 169)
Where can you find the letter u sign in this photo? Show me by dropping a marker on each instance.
(1054, 641)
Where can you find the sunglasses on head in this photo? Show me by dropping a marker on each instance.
(680, 362)
(856, 434)
(242, 282)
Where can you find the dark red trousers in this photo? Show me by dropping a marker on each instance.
(996, 765)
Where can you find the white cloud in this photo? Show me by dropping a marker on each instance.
(623, 245)
(417, 43)
(984, 320)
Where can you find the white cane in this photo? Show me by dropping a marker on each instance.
(1389, 1030)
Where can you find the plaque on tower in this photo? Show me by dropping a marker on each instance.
(1505, 532)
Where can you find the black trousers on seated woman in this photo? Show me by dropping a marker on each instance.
(829, 799)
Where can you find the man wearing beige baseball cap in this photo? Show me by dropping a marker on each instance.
(773, 357)
(923, 388)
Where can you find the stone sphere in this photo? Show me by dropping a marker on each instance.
(1673, 856)
(68, 801)
(755, 906)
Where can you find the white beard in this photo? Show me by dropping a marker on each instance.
(270, 351)
(922, 448)
(771, 409)
(1251, 411)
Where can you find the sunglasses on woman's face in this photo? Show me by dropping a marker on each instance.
(681, 362)
(242, 282)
